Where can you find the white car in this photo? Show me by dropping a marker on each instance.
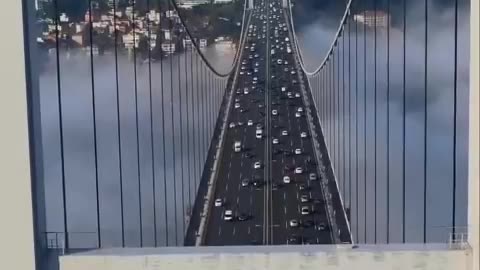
(237, 105)
(218, 202)
(255, 78)
(274, 112)
(297, 114)
(245, 91)
(303, 134)
(242, 73)
(284, 88)
(304, 198)
(312, 177)
(285, 133)
(275, 141)
(250, 123)
(293, 72)
(305, 210)
(298, 170)
(293, 223)
(297, 95)
(286, 179)
(228, 215)
(279, 61)
(257, 165)
(298, 151)
(299, 109)
(285, 62)
(245, 183)
(232, 125)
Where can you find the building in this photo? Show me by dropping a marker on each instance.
(187, 43)
(370, 18)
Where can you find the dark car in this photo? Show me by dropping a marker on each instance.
(258, 183)
(308, 223)
(322, 226)
(249, 155)
(243, 217)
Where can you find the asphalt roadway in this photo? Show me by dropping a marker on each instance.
(263, 210)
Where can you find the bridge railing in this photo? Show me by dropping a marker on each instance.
(391, 96)
(130, 96)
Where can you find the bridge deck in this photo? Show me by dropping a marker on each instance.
(270, 205)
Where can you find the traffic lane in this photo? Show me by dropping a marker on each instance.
(233, 175)
(233, 234)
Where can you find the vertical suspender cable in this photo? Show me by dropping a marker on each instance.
(189, 129)
(375, 120)
(165, 197)
(182, 169)
(334, 127)
(154, 189)
(122, 210)
(137, 127)
(60, 123)
(425, 129)
(350, 119)
(404, 119)
(454, 170)
(170, 27)
(199, 120)
(357, 202)
(194, 122)
(365, 121)
(388, 125)
(343, 120)
(94, 116)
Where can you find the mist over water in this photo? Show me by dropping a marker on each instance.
(76, 91)
(315, 39)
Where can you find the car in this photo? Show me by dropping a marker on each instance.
(304, 198)
(302, 187)
(245, 183)
(243, 217)
(231, 125)
(257, 165)
(284, 133)
(259, 126)
(237, 105)
(250, 123)
(297, 95)
(249, 155)
(293, 72)
(297, 114)
(275, 141)
(305, 210)
(256, 55)
(308, 223)
(274, 112)
(322, 226)
(255, 70)
(299, 109)
(279, 61)
(312, 176)
(218, 202)
(298, 151)
(294, 240)
(293, 223)
(228, 215)
(303, 134)
(276, 186)
(284, 89)
(242, 73)
(242, 110)
(259, 133)
(245, 91)
(298, 170)
(257, 183)
(286, 179)
(285, 62)
(255, 78)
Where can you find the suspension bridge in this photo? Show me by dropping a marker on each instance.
(266, 163)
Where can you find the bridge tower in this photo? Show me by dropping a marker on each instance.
(285, 4)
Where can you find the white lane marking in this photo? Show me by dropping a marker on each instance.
(248, 229)
(286, 224)
(285, 209)
(238, 199)
(226, 187)
(284, 195)
(234, 230)
(220, 230)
